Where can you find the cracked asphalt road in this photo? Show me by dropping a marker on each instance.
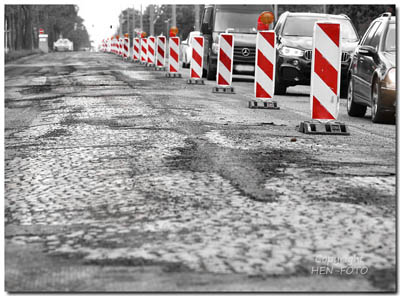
(119, 179)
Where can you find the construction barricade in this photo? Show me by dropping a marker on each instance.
(136, 50)
(151, 45)
(325, 81)
(196, 62)
(160, 55)
(264, 75)
(225, 64)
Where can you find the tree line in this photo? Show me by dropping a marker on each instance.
(22, 24)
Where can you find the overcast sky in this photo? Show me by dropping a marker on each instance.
(99, 16)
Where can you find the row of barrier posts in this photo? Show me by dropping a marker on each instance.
(325, 69)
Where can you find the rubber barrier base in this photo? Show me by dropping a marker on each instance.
(259, 104)
(151, 65)
(173, 75)
(195, 81)
(143, 63)
(159, 68)
(135, 61)
(323, 128)
(223, 89)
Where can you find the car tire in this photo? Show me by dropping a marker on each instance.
(354, 109)
(280, 88)
(211, 72)
(377, 115)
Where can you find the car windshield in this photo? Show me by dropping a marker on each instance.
(304, 26)
(390, 42)
(239, 21)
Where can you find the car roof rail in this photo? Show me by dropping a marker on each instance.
(388, 14)
(344, 15)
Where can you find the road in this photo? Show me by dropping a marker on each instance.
(120, 179)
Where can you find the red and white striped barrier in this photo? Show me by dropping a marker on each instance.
(325, 71)
(173, 60)
(264, 71)
(196, 62)
(225, 63)
(126, 47)
(143, 50)
(160, 55)
(136, 49)
(151, 45)
(325, 82)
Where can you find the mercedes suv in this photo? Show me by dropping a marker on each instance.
(239, 20)
(294, 33)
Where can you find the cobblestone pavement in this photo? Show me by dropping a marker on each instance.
(111, 164)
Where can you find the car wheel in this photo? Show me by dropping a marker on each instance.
(377, 115)
(354, 109)
(211, 73)
(280, 88)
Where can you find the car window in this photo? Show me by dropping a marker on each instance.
(239, 21)
(370, 34)
(304, 26)
(278, 25)
(377, 37)
(207, 15)
(390, 40)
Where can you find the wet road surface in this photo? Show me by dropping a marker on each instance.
(118, 178)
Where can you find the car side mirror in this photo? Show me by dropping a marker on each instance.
(367, 51)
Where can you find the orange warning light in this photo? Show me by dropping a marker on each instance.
(126, 35)
(143, 35)
(173, 31)
(265, 18)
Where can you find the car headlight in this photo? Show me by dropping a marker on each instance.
(290, 51)
(215, 48)
(390, 78)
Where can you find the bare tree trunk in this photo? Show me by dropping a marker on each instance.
(28, 27)
(19, 30)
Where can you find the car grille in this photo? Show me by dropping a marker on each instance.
(345, 56)
(238, 56)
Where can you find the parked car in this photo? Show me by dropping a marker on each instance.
(186, 49)
(372, 73)
(294, 34)
(63, 44)
(241, 21)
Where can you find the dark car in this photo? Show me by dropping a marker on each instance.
(241, 21)
(294, 33)
(372, 74)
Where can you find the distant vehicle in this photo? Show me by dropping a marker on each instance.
(372, 74)
(186, 49)
(63, 44)
(241, 21)
(294, 34)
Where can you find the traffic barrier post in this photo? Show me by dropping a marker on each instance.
(325, 81)
(136, 49)
(126, 46)
(264, 74)
(160, 54)
(143, 51)
(173, 60)
(224, 64)
(151, 44)
(196, 62)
